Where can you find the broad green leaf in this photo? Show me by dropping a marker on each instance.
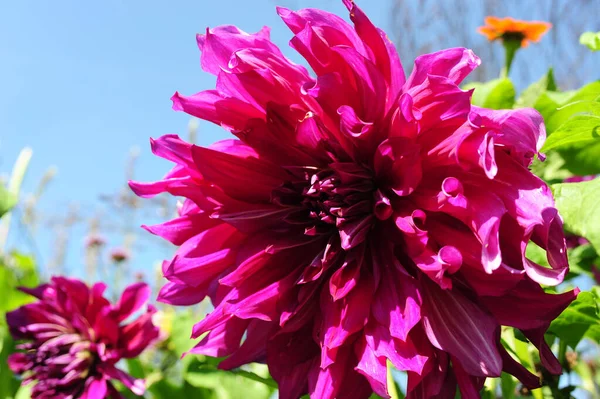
(508, 385)
(566, 112)
(24, 392)
(579, 206)
(7, 200)
(552, 101)
(531, 94)
(8, 383)
(228, 385)
(581, 318)
(16, 270)
(166, 389)
(495, 94)
(591, 40)
(255, 377)
(589, 92)
(579, 131)
(582, 160)
(581, 260)
(135, 368)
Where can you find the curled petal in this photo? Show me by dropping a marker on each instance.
(455, 324)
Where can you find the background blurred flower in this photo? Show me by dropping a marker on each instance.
(514, 29)
(514, 34)
(119, 255)
(74, 338)
(361, 217)
(94, 241)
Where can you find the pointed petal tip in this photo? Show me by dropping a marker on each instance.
(176, 99)
(283, 11)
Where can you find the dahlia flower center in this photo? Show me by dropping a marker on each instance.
(343, 198)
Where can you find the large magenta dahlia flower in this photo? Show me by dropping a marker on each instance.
(359, 217)
(74, 337)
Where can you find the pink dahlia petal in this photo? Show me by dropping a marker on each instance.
(372, 367)
(511, 366)
(223, 340)
(181, 294)
(437, 382)
(368, 81)
(549, 361)
(397, 303)
(359, 217)
(132, 299)
(95, 389)
(227, 170)
(454, 64)
(384, 52)
(535, 306)
(398, 162)
(455, 324)
(210, 105)
(178, 231)
(469, 385)
(338, 380)
(519, 132)
(218, 44)
(403, 354)
(253, 349)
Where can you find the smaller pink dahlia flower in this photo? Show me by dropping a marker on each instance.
(74, 337)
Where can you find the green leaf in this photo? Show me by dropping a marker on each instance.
(577, 137)
(552, 102)
(8, 382)
(508, 385)
(531, 94)
(580, 130)
(591, 40)
(566, 112)
(495, 94)
(581, 318)
(255, 377)
(135, 368)
(166, 389)
(7, 200)
(579, 206)
(16, 270)
(581, 259)
(227, 385)
(24, 392)
(393, 386)
(179, 338)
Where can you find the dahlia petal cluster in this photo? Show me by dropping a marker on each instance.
(73, 338)
(360, 216)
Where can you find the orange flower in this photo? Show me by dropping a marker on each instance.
(509, 28)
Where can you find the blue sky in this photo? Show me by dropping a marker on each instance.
(84, 82)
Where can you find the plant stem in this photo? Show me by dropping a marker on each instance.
(14, 187)
(510, 46)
